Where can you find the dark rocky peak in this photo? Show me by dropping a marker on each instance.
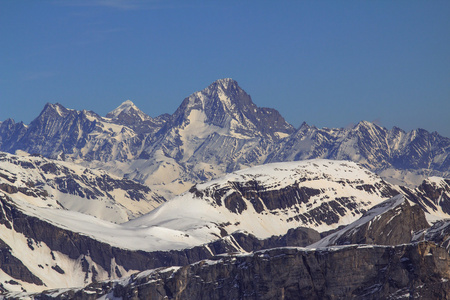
(161, 119)
(396, 131)
(433, 195)
(59, 113)
(366, 124)
(54, 111)
(130, 115)
(10, 131)
(8, 123)
(227, 96)
(54, 116)
(55, 129)
(304, 127)
(222, 96)
(419, 136)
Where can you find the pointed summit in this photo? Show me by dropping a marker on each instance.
(54, 110)
(228, 92)
(128, 114)
(125, 107)
(226, 105)
(225, 84)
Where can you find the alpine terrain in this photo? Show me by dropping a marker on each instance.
(220, 200)
(216, 131)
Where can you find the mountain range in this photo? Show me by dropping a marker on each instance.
(220, 200)
(216, 131)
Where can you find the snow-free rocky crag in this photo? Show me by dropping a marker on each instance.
(216, 131)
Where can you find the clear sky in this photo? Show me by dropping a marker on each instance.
(329, 63)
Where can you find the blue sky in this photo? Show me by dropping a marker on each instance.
(329, 63)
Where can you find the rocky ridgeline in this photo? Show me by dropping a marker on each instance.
(420, 271)
(216, 131)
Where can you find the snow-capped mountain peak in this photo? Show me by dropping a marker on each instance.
(126, 111)
(226, 105)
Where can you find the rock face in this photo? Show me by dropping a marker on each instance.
(392, 222)
(381, 272)
(433, 195)
(216, 131)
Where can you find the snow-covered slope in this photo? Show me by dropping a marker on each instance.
(263, 201)
(63, 185)
(268, 200)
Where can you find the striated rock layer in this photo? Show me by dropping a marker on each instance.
(419, 271)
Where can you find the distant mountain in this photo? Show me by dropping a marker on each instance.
(216, 131)
(372, 146)
(130, 115)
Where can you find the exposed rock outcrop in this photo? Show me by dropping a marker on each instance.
(420, 271)
(392, 222)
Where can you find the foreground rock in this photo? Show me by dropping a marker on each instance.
(391, 222)
(419, 270)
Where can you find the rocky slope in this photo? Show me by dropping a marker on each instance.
(216, 131)
(391, 222)
(433, 195)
